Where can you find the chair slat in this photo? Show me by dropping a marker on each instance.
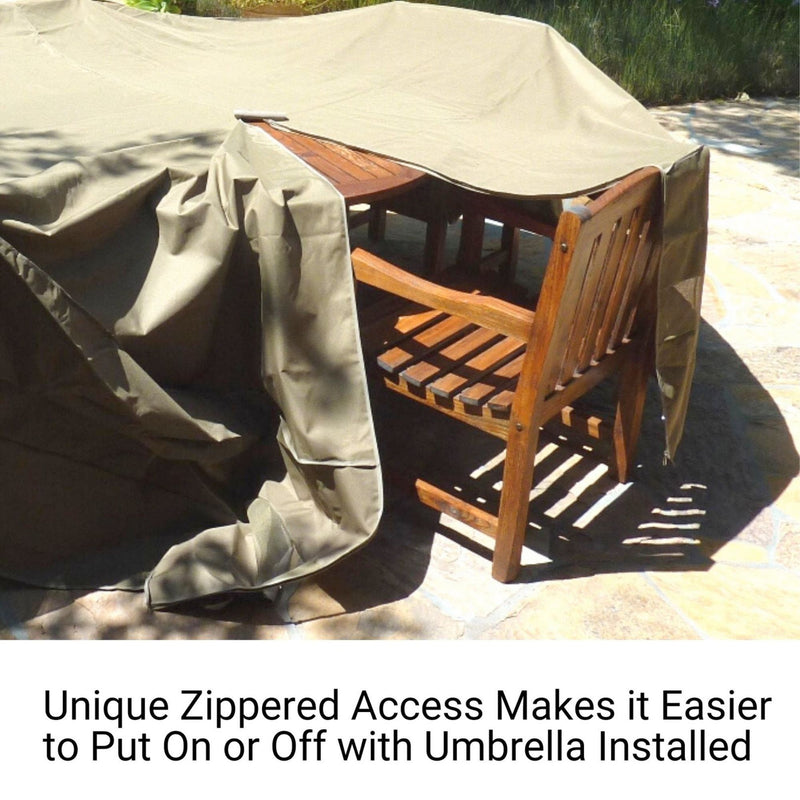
(385, 331)
(496, 381)
(588, 281)
(441, 361)
(477, 368)
(418, 346)
(646, 256)
(605, 286)
(501, 402)
(620, 286)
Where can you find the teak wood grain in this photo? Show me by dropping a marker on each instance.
(359, 176)
(508, 370)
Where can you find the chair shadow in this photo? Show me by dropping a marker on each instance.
(668, 518)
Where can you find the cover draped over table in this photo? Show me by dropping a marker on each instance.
(175, 287)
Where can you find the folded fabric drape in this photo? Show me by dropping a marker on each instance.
(176, 289)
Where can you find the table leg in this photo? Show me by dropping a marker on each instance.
(470, 248)
(377, 223)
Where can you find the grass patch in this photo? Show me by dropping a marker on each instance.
(669, 51)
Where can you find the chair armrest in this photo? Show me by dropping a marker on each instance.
(489, 312)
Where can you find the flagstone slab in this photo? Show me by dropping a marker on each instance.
(412, 618)
(741, 552)
(713, 308)
(787, 553)
(123, 615)
(736, 602)
(460, 580)
(760, 531)
(614, 606)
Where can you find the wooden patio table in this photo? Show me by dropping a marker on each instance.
(362, 177)
(365, 178)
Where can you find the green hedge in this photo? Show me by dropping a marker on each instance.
(669, 51)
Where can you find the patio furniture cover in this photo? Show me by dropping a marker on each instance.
(175, 287)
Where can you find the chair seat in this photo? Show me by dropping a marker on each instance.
(463, 369)
(450, 360)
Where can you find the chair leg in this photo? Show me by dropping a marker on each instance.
(631, 394)
(514, 503)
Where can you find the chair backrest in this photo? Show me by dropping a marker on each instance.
(601, 268)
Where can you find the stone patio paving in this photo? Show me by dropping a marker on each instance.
(706, 548)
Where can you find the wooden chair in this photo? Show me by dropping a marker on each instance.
(508, 370)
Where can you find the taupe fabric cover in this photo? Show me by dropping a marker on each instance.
(173, 282)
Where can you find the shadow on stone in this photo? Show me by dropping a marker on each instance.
(669, 518)
(737, 457)
(20, 603)
(764, 130)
